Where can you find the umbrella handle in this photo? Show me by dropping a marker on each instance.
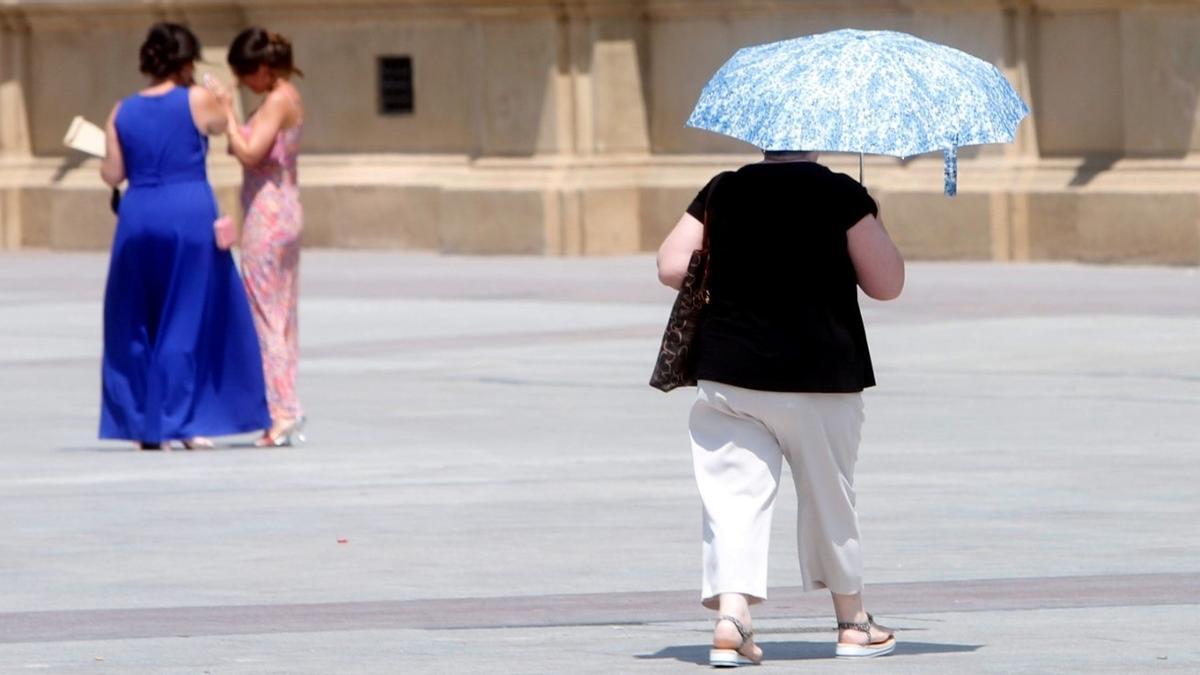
(950, 156)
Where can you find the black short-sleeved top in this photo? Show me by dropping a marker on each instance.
(784, 313)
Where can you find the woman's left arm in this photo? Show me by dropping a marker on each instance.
(877, 262)
(252, 148)
(676, 251)
(112, 167)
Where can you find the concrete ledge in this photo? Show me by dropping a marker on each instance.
(1134, 212)
(1142, 228)
(493, 221)
(78, 219)
(610, 222)
(371, 216)
(660, 208)
(932, 227)
(36, 217)
(1051, 231)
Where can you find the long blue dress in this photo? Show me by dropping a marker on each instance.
(181, 358)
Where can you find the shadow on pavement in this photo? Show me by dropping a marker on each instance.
(803, 651)
(176, 447)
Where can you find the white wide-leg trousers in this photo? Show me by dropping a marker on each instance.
(740, 438)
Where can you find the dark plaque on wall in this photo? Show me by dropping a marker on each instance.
(395, 85)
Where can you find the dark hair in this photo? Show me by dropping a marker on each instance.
(167, 49)
(257, 46)
(783, 154)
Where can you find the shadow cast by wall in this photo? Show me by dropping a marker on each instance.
(1092, 167)
(69, 163)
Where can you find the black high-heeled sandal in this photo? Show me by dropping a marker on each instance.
(849, 650)
(732, 658)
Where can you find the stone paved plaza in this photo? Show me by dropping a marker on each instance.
(490, 486)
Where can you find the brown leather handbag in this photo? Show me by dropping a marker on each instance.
(676, 364)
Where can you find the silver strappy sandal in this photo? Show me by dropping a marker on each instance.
(869, 650)
(732, 658)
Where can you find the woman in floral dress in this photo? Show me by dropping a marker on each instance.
(267, 146)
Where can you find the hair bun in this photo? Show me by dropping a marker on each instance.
(280, 50)
(256, 46)
(167, 49)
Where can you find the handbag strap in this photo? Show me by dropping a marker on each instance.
(707, 201)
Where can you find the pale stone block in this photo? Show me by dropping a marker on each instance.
(1051, 228)
(929, 226)
(980, 34)
(80, 219)
(564, 222)
(573, 82)
(620, 93)
(661, 207)
(518, 115)
(1161, 80)
(684, 53)
(1159, 228)
(61, 88)
(14, 120)
(1079, 103)
(33, 216)
(610, 221)
(10, 220)
(483, 221)
(371, 216)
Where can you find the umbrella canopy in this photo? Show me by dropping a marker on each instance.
(876, 92)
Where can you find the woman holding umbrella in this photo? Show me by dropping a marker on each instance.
(781, 351)
(782, 359)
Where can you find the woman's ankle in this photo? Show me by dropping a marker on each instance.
(736, 605)
(848, 607)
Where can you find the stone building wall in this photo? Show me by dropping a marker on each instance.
(557, 126)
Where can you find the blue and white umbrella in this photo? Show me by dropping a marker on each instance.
(876, 92)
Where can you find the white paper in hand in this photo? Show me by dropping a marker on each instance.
(84, 136)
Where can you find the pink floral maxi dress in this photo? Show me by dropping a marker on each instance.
(271, 266)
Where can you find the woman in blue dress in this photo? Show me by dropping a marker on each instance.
(181, 359)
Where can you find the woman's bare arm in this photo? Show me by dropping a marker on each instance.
(877, 261)
(250, 149)
(207, 110)
(676, 250)
(112, 167)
